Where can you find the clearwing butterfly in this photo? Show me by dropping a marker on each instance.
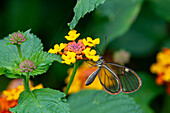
(115, 78)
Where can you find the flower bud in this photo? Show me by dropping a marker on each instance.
(27, 66)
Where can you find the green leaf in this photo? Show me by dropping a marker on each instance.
(112, 19)
(1, 70)
(166, 43)
(42, 61)
(32, 49)
(161, 8)
(148, 91)
(166, 104)
(82, 7)
(31, 46)
(41, 101)
(92, 101)
(144, 36)
(9, 56)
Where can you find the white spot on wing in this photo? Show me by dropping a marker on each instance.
(127, 70)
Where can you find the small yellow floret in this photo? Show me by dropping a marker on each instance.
(69, 58)
(90, 54)
(90, 42)
(72, 35)
(57, 48)
(166, 76)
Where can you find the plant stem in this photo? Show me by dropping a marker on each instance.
(19, 51)
(26, 82)
(72, 77)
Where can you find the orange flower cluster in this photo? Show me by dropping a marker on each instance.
(80, 78)
(9, 97)
(162, 68)
(76, 50)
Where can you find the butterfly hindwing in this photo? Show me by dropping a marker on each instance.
(129, 80)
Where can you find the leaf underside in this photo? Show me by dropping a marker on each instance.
(82, 7)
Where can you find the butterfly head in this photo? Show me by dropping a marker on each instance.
(100, 61)
(100, 57)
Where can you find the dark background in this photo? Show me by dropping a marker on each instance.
(149, 33)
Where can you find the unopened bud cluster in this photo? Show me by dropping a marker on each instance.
(27, 66)
(17, 38)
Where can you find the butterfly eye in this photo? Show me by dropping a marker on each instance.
(101, 57)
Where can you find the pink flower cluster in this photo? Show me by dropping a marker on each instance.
(76, 48)
(27, 66)
(17, 38)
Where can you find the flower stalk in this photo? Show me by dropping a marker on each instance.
(26, 78)
(72, 77)
(26, 82)
(19, 51)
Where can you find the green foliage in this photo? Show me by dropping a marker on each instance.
(41, 101)
(31, 46)
(166, 43)
(144, 36)
(32, 49)
(113, 19)
(161, 8)
(82, 7)
(42, 60)
(148, 91)
(92, 101)
(166, 105)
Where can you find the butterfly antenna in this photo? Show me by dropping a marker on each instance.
(105, 42)
(60, 28)
(99, 52)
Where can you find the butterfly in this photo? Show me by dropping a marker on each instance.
(115, 78)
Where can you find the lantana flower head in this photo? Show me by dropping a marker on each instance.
(162, 68)
(76, 50)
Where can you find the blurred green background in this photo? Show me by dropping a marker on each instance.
(140, 27)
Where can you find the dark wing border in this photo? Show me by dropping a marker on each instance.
(133, 72)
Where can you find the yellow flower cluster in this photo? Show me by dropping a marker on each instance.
(75, 51)
(9, 98)
(13, 94)
(162, 66)
(80, 78)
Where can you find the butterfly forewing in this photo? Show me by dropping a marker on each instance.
(109, 81)
(129, 80)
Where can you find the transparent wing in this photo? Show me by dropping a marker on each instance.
(130, 81)
(91, 63)
(109, 81)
